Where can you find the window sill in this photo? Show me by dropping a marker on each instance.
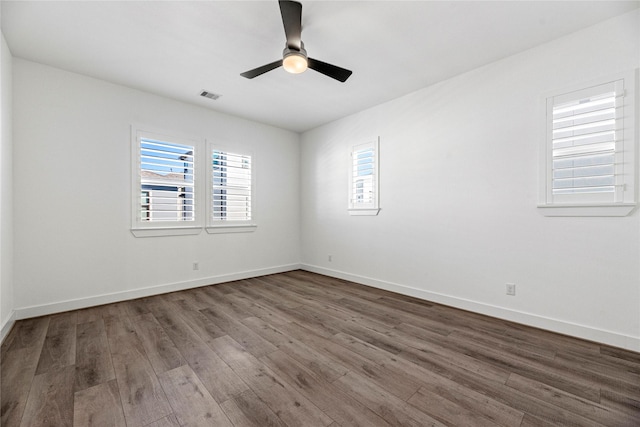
(166, 231)
(240, 228)
(621, 209)
(363, 212)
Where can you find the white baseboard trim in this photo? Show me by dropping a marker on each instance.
(7, 325)
(75, 304)
(554, 325)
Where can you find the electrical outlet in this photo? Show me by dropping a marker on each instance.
(196, 266)
(330, 258)
(511, 289)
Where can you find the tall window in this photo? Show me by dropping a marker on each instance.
(164, 182)
(363, 179)
(589, 148)
(231, 187)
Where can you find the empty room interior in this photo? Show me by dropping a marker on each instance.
(367, 213)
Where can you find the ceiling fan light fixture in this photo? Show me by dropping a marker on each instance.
(295, 61)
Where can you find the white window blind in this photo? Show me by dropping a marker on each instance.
(589, 155)
(363, 174)
(363, 179)
(231, 186)
(584, 142)
(167, 182)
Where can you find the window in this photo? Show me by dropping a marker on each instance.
(363, 179)
(230, 195)
(164, 185)
(589, 164)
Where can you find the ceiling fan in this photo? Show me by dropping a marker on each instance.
(294, 57)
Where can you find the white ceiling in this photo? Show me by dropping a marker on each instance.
(178, 48)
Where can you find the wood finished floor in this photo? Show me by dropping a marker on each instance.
(300, 349)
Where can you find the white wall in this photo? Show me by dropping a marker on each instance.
(459, 182)
(6, 188)
(72, 195)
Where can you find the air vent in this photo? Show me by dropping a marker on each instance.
(210, 95)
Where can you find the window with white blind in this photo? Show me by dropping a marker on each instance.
(363, 179)
(589, 163)
(230, 191)
(164, 187)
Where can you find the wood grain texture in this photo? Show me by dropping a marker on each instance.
(18, 367)
(93, 356)
(50, 401)
(301, 349)
(99, 406)
(191, 402)
(59, 348)
(162, 353)
(247, 410)
(143, 399)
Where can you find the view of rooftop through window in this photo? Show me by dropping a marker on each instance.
(167, 181)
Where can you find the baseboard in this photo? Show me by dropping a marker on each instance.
(75, 304)
(7, 325)
(529, 319)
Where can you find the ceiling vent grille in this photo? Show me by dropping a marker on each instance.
(210, 95)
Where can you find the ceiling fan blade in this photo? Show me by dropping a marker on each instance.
(291, 12)
(261, 70)
(333, 71)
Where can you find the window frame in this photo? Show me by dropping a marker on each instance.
(372, 208)
(141, 228)
(623, 199)
(228, 226)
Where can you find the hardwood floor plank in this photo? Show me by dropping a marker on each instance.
(505, 344)
(30, 333)
(168, 421)
(446, 411)
(90, 314)
(159, 348)
(99, 406)
(338, 405)
(620, 402)
(267, 331)
(268, 315)
(218, 378)
(321, 325)
(50, 401)
(593, 411)
(439, 352)
(201, 324)
(18, 367)
(250, 340)
(389, 407)
(521, 401)
(143, 399)
(396, 382)
(463, 397)
(93, 357)
(220, 301)
(253, 372)
(321, 365)
(59, 348)
(494, 365)
(619, 353)
(292, 407)
(247, 410)
(191, 402)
